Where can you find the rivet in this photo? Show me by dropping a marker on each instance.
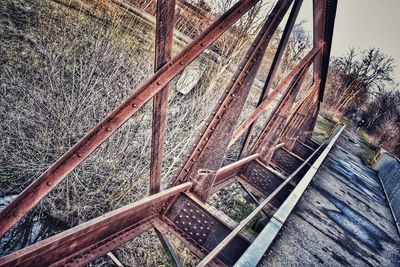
(79, 155)
(108, 129)
(202, 44)
(15, 214)
(158, 83)
(48, 183)
(181, 63)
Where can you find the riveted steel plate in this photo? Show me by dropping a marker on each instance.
(288, 162)
(266, 182)
(200, 227)
(302, 150)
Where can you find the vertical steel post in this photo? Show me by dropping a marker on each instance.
(163, 47)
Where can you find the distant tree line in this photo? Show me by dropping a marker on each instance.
(362, 82)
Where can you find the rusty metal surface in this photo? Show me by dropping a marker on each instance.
(274, 127)
(163, 48)
(232, 235)
(209, 149)
(94, 238)
(232, 170)
(200, 227)
(286, 160)
(324, 13)
(273, 69)
(80, 151)
(176, 210)
(269, 136)
(197, 249)
(300, 116)
(266, 182)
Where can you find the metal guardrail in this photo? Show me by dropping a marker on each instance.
(388, 169)
(257, 249)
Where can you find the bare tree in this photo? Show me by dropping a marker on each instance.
(356, 75)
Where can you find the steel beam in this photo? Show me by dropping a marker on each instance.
(196, 224)
(232, 235)
(273, 69)
(208, 152)
(269, 99)
(299, 114)
(324, 13)
(85, 242)
(269, 136)
(163, 47)
(161, 233)
(25, 201)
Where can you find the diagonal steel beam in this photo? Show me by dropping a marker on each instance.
(85, 242)
(161, 233)
(299, 114)
(269, 136)
(208, 152)
(163, 44)
(268, 100)
(228, 239)
(25, 201)
(274, 68)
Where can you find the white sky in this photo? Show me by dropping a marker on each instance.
(364, 24)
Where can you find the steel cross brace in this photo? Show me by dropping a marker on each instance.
(176, 207)
(209, 149)
(25, 201)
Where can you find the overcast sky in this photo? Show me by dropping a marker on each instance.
(363, 24)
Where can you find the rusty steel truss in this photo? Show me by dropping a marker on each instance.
(281, 151)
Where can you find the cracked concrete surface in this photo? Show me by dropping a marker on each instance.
(343, 218)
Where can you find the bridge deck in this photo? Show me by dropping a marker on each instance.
(343, 218)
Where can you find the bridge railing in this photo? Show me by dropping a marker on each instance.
(388, 169)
